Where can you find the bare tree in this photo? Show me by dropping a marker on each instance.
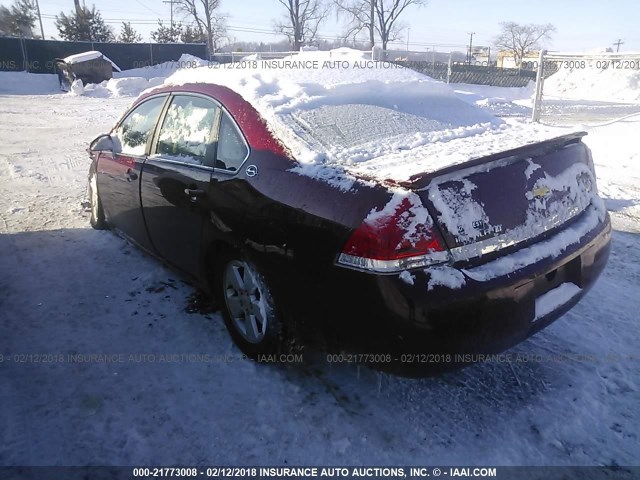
(387, 13)
(205, 19)
(360, 15)
(519, 40)
(303, 17)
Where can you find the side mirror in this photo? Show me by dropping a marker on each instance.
(102, 143)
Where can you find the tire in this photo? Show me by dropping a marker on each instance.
(248, 307)
(97, 213)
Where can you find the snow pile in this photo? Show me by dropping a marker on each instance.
(163, 70)
(129, 83)
(500, 101)
(316, 103)
(23, 83)
(489, 95)
(592, 83)
(115, 87)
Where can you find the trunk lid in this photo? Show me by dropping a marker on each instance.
(502, 200)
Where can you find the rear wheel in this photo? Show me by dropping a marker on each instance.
(248, 307)
(97, 213)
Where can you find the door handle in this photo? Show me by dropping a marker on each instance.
(131, 175)
(194, 193)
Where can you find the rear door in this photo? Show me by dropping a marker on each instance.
(119, 174)
(176, 179)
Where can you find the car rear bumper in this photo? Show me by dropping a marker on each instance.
(386, 314)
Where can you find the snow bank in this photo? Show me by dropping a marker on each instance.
(163, 70)
(130, 83)
(591, 83)
(115, 87)
(487, 94)
(23, 83)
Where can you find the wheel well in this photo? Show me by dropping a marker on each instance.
(212, 253)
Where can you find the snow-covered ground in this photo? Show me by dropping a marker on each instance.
(569, 395)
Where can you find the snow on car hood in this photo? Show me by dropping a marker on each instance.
(341, 110)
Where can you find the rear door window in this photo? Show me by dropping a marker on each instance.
(188, 130)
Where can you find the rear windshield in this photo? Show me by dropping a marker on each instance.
(348, 126)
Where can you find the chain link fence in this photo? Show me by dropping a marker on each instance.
(586, 88)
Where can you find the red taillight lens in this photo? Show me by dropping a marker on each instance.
(396, 238)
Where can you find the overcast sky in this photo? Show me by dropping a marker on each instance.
(583, 25)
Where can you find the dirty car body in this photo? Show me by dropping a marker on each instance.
(472, 258)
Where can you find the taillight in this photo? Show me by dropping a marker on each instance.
(398, 237)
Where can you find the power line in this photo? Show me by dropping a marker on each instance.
(267, 31)
(171, 2)
(150, 9)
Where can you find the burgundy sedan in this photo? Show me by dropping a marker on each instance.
(468, 258)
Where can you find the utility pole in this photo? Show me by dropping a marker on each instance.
(40, 18)
(408, 32)
(171, 2)
(372, 28)
(617, 44)
(471, 34)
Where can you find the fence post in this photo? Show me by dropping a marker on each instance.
(151, 53)
(433, 61)
(449, 70)
(537, 102)
(25, 58)
(376, 53)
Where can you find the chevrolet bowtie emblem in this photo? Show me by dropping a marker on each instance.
(540, 192)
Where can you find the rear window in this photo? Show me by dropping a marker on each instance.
(348, 126)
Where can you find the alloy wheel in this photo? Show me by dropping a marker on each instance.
(245, 299)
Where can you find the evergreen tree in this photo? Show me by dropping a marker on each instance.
(164, 34)
(19, 20)
(192, 35)
(128, 34)
(84, 25)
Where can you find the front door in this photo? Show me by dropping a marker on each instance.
(119, 173)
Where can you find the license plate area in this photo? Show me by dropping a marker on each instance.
(555, 299)
(557, 287)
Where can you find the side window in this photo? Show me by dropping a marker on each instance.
(135, 131)
(232, 149)
(187, 133)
